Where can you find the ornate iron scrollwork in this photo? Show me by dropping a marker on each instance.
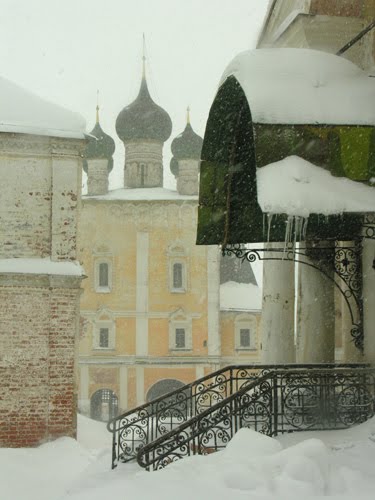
(368, 228)
(346, 267)
(282, 399)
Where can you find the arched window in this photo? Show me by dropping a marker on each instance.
(103, 405)
(163, 387)
(103, 275)
(177, 275)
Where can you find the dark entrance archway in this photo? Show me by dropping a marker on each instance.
(163, 387)
(104, 405)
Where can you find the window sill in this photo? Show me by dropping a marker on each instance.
(103, 290)
(177, 290)
(180, 349)
(251, 349)
(103, 349)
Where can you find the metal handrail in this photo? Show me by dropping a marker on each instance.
(336, 384)
(142, 423)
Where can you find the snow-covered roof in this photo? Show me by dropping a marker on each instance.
(295, 186)
(143, 194)
(40, 266)
(23, 112)
(300, 86)
(240, 297)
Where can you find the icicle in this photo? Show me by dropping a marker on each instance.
(264, 226)
(269, 219)
(297, 232)
(304, 230)
(288, 230)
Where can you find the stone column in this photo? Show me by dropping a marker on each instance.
(84, 400)
(142, 294)
(278, 309)
(213, 299)
(316, 311)
(97, 176)
(123, 396)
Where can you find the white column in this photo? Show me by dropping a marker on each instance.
(213, 299)
(84, 400)
(140, 384)
(368, 260)
(278, 309)
(199, 371)
(142, 294)
(123, 396)
(316, 315)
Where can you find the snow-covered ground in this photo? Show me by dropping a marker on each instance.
(296, 466)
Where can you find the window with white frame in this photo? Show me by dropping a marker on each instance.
(180, 332)
(180, 341)
(177, 268)
(245, 333)
(177, 276)
(104, 335)
(103, 275)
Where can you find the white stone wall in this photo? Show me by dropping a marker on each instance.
(39, 313)
(40, 196)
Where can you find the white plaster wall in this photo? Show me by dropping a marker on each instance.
(25, 200)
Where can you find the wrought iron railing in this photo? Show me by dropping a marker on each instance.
(281, 400)
(136, 428)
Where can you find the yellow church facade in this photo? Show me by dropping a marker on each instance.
(155, 313)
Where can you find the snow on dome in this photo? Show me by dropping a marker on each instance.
(300, 86)
(296, 187)
(25, 113)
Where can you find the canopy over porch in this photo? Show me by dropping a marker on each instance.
(278, 103)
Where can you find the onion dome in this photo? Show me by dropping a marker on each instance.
(143, 119)
(187, 145)
(100, 145)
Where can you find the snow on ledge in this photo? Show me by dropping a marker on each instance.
(296, 187)
(300, 86)
(40, 266)
(240, 297)
(23, 112)
(142, 194)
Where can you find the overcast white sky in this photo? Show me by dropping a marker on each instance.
(64, 50)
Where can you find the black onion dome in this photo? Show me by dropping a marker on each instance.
(187, 145)
(100, 145)
(174, 166)
(143, 119)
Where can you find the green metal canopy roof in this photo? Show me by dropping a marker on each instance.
(236, 144)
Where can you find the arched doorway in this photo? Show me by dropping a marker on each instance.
(104, 405)
(163, 387)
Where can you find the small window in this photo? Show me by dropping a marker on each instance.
(104, 337)
(180, 338)
(246, 333)
(177, 275)
(103, 274)
(245, 338)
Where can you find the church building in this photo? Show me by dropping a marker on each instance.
(151, 306)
